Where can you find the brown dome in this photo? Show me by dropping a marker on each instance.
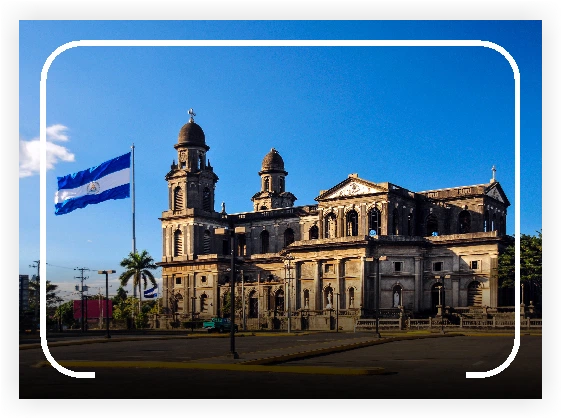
(191, 134)
(272, 161)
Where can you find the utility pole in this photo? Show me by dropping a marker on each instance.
(82, 278)
(37, 291)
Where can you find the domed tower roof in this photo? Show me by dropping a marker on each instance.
(191, 134)
(272, 162)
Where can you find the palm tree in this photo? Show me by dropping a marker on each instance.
(138, 267)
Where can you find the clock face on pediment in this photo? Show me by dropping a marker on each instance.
(352, 189)
(494, 193)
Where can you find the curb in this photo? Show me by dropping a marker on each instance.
(338, 349)
(228, 367)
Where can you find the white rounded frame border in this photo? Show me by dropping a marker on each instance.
(264, 43)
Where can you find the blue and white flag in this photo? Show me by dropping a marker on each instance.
(149, 293)
(107, 181)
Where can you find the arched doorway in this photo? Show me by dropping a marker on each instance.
(475, 293)
(253, 304)
(279, 301)
(464, 222)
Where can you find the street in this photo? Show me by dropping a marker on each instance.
(422, 368)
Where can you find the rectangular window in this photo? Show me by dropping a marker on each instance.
(329, 268)
(178, 280)
(475, 265)
(437, 266)
(398, 266)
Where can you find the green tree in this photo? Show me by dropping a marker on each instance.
(530, 266)
(138, 266)
(226, 305)
(65, 312)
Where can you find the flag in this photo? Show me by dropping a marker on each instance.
(149, 293)
(107, 181)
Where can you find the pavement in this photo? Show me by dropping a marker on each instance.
(260, 360)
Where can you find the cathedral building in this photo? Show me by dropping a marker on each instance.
(361, 242)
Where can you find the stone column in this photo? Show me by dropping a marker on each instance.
(215, 294)
(363, 284)
(418, 284)
(317, 285)
(192, 283)
(494, 282)
(363, 224)
(321, 234)
(341, 222)
(340, 283)
(384, 218)
(188, 240)
(165, 292)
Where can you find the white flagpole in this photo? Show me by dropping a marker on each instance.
(133, 214)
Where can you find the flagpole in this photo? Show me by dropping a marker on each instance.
(133, 214)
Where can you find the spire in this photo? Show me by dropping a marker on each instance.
(191, 115)
(493, 169)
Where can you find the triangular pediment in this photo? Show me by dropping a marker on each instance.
(352, 187)
(496, 192)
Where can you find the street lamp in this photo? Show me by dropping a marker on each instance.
(106, 272)
(377, 286)
(439, 287)
(287, 259)
(232, 231)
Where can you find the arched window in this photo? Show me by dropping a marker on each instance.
(178, 198)
(206, 242)
(395, 223)
(177, 243)
(494, 222)
(279, 300)
(263, 208)
(396, 296)
(352, 223)
(486, 222)
(288, 237)
(330, 226)
(203, 306)
(264, 242)
(201, 161)
(474, 293)
(374, 223)
(502, 226)
(266, 184)
(306, 299)
(314, 232)
(351, 301)
(241, 245)
(464, 222)
(281, 184)
(253, 304)
(432, 225)
(206, 199)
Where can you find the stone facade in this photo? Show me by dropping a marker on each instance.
(357, 232)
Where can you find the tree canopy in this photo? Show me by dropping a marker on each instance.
(530, 265)
(137, 266)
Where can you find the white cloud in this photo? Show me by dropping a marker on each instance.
(29, 151)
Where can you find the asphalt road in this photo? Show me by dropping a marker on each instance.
(425, 368)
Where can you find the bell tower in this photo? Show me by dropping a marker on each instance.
(191, 182)
(273, 194)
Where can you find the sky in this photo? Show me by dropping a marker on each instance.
(420, 117)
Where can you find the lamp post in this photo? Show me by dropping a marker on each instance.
(106, 272)
(377, 286)
(441, 308)
(232, 232)
(287, 259)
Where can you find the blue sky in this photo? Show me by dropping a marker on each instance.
(423, 118)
